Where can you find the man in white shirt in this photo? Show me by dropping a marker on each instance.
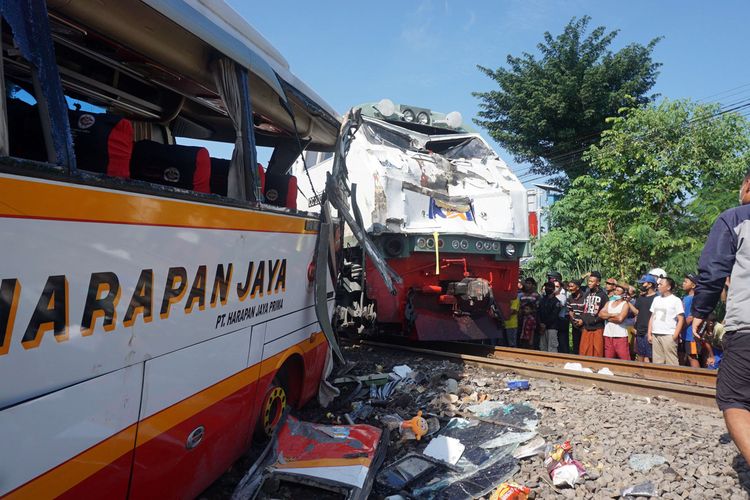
(665, 325)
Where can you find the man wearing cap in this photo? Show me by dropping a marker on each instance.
(658, 273)
(691, 346)
(727, 253)
(642, 311)
(609, 286)
(666, 323)
(592, 337)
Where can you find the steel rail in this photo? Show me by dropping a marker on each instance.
(550, 365)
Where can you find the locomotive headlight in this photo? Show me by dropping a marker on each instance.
(455, 244)
(510, 250)
(408, 115)
(488, 245)
(464, 245)
(496, 246)
(421, 243)
(479, 245)
(423, 118)
(430, 243)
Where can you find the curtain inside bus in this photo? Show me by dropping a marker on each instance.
(31, 34)
(232, 81)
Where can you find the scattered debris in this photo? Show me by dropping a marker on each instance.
(402, 371)
(405, 471)
(517, 385)
(647, 489)
(445, 448)
(578, 367)
(645, 461)
(605, 371)
(451, 386)
(505, 433)
(414, 428)
(294, 462)
(510, 491)
(535, 447)
(562, 468)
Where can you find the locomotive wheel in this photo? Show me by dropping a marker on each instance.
(272, 408)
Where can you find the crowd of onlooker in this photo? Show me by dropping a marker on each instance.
(649, 323)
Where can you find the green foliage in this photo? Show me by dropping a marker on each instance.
(655, 183)
(549, 109)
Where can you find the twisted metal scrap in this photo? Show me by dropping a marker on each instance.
(338, 194)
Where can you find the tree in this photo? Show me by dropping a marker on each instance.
(656, 182)
(547, 111)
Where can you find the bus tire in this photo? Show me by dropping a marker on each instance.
(272, 408)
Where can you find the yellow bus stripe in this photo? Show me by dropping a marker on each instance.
(325, 462)
(67, 474)
(27, 198)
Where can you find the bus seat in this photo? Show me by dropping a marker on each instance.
(281, 190)
(220, 174)
(103, 142)
(186, 167)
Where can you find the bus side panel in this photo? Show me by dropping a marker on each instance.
(209, 385)
(67, 438)
(294, 335)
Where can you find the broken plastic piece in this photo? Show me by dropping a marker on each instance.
(510, 491)
(642, 462)
(391, 422)
(402, 371)
(534, 447)
(517, 385)
(647, 489)
(373, 378)
(403, 472)
(445, 448)
(605, 371)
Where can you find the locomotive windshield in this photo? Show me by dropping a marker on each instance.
(463, 148)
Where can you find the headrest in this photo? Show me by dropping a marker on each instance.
(186, 167)
(103, 142)
(281, 190)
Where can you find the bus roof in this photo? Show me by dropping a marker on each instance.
(218, 24)
(179, 39)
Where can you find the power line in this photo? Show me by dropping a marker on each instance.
(730, 108)
(702, 99)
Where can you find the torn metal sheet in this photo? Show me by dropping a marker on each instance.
(340, 460)
(321, 295)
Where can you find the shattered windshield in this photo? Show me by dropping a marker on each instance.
(470, 148)
(380, 135)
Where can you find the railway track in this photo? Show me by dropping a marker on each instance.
(683, 384)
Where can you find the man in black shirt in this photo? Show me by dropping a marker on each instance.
(549, 314)
(642, 311)
(592, 339)
(575, 312)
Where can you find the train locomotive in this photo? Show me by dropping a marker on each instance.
(446, 214)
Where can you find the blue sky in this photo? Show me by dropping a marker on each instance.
(425, 53)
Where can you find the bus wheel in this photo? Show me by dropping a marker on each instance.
(272, 409)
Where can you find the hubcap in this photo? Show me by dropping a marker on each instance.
(273, 408)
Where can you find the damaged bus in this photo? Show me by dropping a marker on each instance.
(439, 224)
(156, 309)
